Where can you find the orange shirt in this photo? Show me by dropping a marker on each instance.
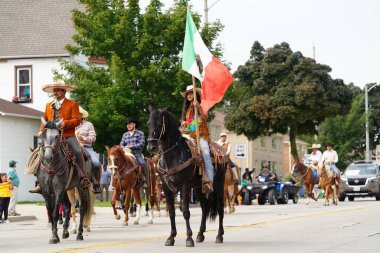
(69, 112)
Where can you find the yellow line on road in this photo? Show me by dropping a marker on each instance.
(232, 228)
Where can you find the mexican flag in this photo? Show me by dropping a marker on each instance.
(198, 61)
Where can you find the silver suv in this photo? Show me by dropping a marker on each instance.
(360, 179)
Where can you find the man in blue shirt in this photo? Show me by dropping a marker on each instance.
(134, 140)
(12, 175)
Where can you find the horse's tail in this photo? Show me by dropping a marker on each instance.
(89, 207)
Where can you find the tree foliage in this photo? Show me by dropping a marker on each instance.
(143, 53)
(281, 91)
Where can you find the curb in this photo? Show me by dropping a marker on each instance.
(21, 218)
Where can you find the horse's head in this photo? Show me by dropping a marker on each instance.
(116, 158)
(295, 168)
(156, 129)
(50, 137)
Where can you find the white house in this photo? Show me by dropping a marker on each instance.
(18, 127)
(33, 37)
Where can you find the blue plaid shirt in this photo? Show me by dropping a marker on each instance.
(136, 142)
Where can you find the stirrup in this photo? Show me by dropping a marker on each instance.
(207, 187)
(37, 189)
(85, 183)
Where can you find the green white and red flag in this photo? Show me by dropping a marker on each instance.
(198, 61)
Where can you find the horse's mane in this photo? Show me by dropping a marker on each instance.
(52, 125)
(172, 124)
(119, 150)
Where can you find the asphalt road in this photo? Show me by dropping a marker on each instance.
(348, 227)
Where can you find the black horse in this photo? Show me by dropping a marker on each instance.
(56, 175)
(179, 173)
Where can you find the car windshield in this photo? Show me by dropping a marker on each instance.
(355, 169)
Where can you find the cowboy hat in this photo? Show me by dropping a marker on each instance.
(223, 134)
(315, 146)
(190, 88)
(83, 112)
(60, 84)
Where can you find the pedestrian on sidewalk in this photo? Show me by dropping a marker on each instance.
(13, 177)
(105, 182)
(6, 187)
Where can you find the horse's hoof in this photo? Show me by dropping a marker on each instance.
(125, 223)
(189, 242)
(79, 237)
(200, 238)
(136, 222)
(65, 235)
(219, 239)
(147, 214)
(60, 222)
(53, 241)
(74, 231)
(169, 242)
(88, 229)
(117, 217)
(150, 221)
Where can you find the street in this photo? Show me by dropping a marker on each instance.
(348, 227)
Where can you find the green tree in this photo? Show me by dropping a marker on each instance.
(281, 91)
(143, 53)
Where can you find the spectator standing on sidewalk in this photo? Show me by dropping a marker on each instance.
(13, 177)
(105, 182)
(6, 187)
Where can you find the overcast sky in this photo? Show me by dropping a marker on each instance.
(345, 33)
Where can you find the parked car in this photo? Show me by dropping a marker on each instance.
(360, 179)
(272, 192)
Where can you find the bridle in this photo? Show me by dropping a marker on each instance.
(298, 170)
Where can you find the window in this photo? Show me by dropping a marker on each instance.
(23, 83)
(274, 166)
(262, 142)
(274, 143)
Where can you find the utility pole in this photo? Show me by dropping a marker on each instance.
(206, 9)
(367, 151)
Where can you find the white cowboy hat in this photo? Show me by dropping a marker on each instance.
(315, 146)
(190, 88)
(223, 134)
(83, 112)
(60, 84)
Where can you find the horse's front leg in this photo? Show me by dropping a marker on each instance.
(67, 208)
(83, 193)
(127, 201)
(186, 214)
(113, 201)
(202, 228)
(54, 218)
(170, 204)
(152, 200)
(136, 195)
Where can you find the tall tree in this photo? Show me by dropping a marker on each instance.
(281, 91)
(143, 53)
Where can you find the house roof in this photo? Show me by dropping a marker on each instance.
(38, 28)
(16, 110)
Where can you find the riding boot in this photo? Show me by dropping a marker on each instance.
(144, 176)
(36, 189)
(234, 175)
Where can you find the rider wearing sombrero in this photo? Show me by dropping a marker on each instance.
(314, 158)
(188, 121)
(68, 110)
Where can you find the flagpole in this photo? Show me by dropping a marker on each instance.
(196, 115)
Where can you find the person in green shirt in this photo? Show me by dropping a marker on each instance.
(13, 177)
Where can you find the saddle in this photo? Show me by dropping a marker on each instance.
(128, 152)
(218, 154)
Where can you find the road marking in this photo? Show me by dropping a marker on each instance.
(226, 228)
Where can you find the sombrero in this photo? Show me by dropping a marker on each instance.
(60, 84)
(83, 112)
(190, 88)
(315, 146)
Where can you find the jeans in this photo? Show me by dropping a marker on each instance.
(4, 203)
(334, 169)
(94, 157)
(140, 159)
(106, 188)
(205, 150)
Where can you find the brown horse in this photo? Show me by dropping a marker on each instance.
(231, 190)
(126, 173)
(306, 174)
(327, 183)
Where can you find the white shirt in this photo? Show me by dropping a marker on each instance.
(330, 156)
(315, 157)
(220, 143)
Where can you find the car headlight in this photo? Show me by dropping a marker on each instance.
(264, 187)
(373, 179)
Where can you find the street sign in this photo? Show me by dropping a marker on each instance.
(241, 151)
